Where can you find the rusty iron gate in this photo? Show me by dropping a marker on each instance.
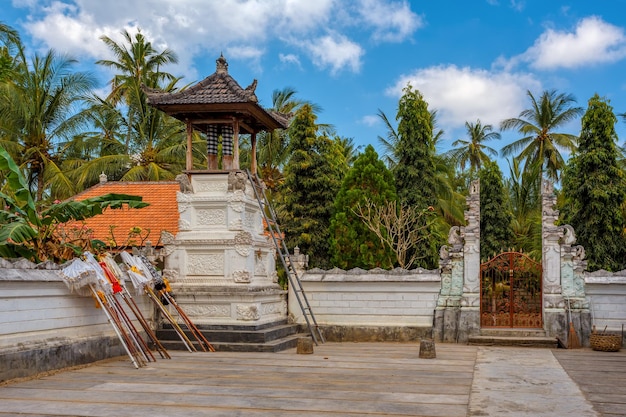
(510, 291)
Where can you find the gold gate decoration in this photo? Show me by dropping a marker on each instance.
(510, 292)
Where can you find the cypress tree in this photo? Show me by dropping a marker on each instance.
(312, 180)
(415, 171)
(352, 244)
(496, 233)
(594, 187)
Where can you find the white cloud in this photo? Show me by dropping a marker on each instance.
(335, 51)
(370, 120)
(290, 59)
(593, 41)
(194, 27)
(392, 22)
(467, 94)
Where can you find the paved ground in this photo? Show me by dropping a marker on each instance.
(347, 379)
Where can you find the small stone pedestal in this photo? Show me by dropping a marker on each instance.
(305, 346)
(427, 349)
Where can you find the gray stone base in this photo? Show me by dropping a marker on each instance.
(373, 333)
(25, 362)
(469, 324)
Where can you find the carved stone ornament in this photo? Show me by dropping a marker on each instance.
(170, 274)
(236, 201)
(185, 184)
(211, 217)
(248, 312)
(455, 236)
(569, 236)
(241, 277)
(237, 181)
(183, 224)
(547, 187)
(211, 186)
(208, 310)
(167, 238)
(205, 264)
(243, 242)
(184, 201)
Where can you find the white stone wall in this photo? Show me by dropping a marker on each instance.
(37, 311)
(369, 298)
(606, 293)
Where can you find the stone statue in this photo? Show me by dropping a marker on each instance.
(185, 184)
(237, 181)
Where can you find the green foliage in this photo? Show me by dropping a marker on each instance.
(495, 219)
(415, 171)
(40, 233)
(473, 151)
(312, 179)
(352, 244)
(524, 193)
(594, 187)
(540, 144)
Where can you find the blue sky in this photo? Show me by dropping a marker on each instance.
(472, 59)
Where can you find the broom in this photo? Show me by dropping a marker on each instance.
(572, 337)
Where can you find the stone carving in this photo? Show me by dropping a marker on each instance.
(274, 308)
(248, 312)
(547, 187)
(210, 186)
(184, 225)
(185, 184)
(237, 181)
(184, 201)
(167, 238)
(171, 275)
(455, 236)
(205, 264)
(579, 253)
(211, 217)
(208, 310)
(475, 187)
(236, 201)
(241, 277)
(569, 236)
(243, 242)
(235, 224)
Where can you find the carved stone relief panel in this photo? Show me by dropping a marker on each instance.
(208, 310)
(243, 243)
(211, 186)
(205, 264)
(248, 312)
(211, 217)
(241, 276)
(183, 225)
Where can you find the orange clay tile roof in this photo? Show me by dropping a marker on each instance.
(161, 214)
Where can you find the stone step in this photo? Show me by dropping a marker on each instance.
(512, 332)
(268, 337)
(519, 341)
(277, 345)
(263, 335)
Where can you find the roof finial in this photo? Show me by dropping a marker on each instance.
(222, 65)
(103, 178)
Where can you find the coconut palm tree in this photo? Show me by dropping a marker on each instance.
(473, 150)
(134, 141)
(540, 143)
(39, 109)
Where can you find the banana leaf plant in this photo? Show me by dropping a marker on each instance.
(37, 232)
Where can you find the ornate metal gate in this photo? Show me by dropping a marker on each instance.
(510, 291)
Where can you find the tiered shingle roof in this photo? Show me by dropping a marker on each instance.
(217, 98)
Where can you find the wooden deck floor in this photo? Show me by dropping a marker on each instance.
(339, 379)
(600, 375)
